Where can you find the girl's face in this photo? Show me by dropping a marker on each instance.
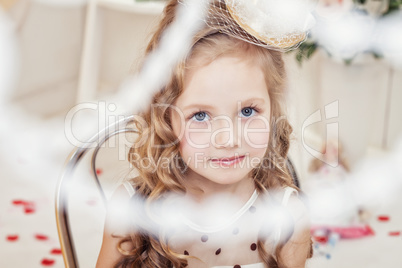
(222, 120)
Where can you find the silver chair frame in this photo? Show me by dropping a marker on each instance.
(62, 191)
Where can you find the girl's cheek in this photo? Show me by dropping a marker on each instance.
(257, 140)
(197, 139)
(194, 146)
(198, 135)
(256, 133)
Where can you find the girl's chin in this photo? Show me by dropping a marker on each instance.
(227, 178)
(219, 176)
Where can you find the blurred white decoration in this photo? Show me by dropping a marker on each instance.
(332, 202)
(373, 7)
(388, 38)
(347, 36)
(333, 9)
(274, 18)
(378, 182)
(349, 28)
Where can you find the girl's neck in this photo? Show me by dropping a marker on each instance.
(209, 203)
(202, 190)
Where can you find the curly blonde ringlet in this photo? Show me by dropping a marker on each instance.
(159, 142)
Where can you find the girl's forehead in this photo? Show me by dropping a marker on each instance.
(205, 57)
(230, 77)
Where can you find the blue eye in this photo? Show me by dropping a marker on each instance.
(200, 117)
(247, 112)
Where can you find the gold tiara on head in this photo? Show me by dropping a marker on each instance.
(274, 24)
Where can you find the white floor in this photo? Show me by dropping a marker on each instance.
(31, 158)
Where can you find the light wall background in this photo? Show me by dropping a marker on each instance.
(98, 45)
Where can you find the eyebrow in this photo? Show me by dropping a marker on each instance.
(261, 100)
(198, 106)
(210, 107)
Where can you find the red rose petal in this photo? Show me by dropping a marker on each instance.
(29, 206)
(396, 233)
(41, 237)
(383, 218)
(12, 238)
(99, 171)
(29, 210)
(321, 239)
(19, 202)
(47, 262)
(56, 251)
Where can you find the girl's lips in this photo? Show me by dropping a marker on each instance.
(228, 161)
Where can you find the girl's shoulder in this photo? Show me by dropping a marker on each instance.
(295, 234)
(129, 187)
(294, 203)
(287, 194)
(116, 216)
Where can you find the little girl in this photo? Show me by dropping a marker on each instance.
(213, 155)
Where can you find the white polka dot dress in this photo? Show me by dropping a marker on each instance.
(232, 244)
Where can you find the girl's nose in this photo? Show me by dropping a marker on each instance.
(225, 132)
